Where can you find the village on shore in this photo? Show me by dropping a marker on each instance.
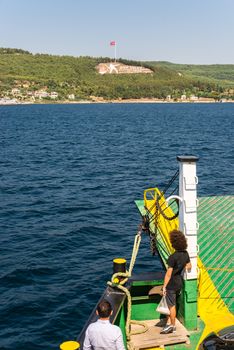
(18, 95)
(52, 98)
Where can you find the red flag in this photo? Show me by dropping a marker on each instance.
(112, 43)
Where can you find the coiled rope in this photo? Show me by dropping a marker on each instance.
(119, 283)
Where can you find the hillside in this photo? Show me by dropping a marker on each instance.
(30, 77)
(214, 72)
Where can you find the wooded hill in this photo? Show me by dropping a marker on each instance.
(78, 76)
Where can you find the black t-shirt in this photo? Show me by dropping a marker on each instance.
(177, 261)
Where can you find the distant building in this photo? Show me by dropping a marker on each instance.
(183, 98)
(193, 98)
(168, 98)
(71, 97)
(53, 95)
(8, 101)
(44, 94)
(15, 91)
(41, 94)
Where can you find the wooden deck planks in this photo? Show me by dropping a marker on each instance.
(153, 338)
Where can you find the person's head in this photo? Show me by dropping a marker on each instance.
(104, 309)
(178, 240)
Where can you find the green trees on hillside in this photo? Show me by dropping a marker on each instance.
(13, 51)
(78, 76)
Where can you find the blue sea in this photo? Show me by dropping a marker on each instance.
(69, 177)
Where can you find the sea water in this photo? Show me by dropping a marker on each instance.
(69, 177)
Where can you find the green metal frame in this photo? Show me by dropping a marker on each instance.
(121, 322)
(187, 305)
(187, 302)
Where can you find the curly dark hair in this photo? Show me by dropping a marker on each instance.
(178, 240)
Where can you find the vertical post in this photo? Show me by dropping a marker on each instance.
(188, 225)
(113, 43)
(188, 210)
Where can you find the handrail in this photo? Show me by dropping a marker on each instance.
(163, 225)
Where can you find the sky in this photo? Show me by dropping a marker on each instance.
(179, 31)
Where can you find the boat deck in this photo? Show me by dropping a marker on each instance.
(215, 239)
(152, 338)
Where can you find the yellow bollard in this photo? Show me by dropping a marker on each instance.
(70, 345)
(119, 265)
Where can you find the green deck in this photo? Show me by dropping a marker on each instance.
(215, 239)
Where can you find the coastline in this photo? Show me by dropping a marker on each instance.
(117, 101)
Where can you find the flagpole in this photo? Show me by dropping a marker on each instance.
(113, 43)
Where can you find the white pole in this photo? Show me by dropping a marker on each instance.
(115, 51)
(188, 210)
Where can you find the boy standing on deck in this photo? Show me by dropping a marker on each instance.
(173, 279)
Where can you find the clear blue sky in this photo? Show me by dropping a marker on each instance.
(181, 31)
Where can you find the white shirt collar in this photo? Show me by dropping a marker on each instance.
(103, 321)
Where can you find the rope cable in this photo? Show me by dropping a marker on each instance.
(170, 182)
(120, 285)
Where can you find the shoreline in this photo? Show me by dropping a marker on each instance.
(127, 101)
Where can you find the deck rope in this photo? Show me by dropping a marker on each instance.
(119, 283)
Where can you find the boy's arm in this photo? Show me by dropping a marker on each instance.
(167, 279)
(188, 267)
